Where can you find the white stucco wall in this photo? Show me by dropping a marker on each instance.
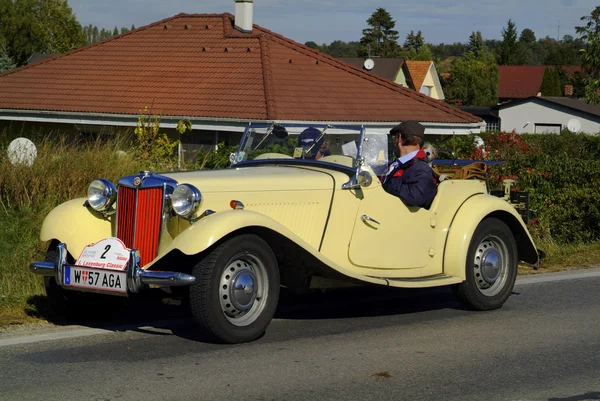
(523, 117)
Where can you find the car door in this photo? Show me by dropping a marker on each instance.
(389, 235)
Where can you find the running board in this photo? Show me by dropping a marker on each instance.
(421, 282)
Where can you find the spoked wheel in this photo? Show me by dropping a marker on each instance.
(491, 267)
(236, 290)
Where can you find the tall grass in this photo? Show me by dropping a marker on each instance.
(62, 171)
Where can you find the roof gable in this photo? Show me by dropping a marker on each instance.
(418, 71)
(199, 66)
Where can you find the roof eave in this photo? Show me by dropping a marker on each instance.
(213, 123)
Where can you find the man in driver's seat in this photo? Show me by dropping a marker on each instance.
(409, 177)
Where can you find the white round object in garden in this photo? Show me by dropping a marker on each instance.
(22, 151)
(574, 125)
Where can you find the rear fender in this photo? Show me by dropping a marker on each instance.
(75, 225)
(466, 220)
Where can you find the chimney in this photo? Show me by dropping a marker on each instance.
(243, 15)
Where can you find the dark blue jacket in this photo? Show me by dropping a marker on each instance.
(413, 182)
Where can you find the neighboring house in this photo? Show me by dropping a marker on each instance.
(219, 74)
(425, 78)
(388, 68)
(489, 114)
(549, 115)
(421, 76)
(523, 81)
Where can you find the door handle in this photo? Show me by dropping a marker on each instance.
(366, 219)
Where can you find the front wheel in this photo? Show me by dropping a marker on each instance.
(236, 290)
(491, 267)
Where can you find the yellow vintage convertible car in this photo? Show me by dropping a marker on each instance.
(283, 214)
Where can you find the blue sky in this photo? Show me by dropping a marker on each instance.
(328, 20)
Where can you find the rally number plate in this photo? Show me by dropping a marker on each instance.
(96, 279)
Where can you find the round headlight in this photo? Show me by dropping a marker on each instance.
(101, 194)
(185, 200)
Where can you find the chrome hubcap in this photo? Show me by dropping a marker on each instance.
(490, 266)
(243, 290)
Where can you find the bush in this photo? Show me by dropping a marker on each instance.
(62, 171)
(561, 173)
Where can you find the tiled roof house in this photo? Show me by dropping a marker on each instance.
(523, 81)
(421, 76)
(204, 68)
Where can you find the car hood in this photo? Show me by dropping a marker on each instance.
(252, 179)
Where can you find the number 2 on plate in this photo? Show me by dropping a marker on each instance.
(105, 252)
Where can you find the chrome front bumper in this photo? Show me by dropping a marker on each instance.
(137, 278)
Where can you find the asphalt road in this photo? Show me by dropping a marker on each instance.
(544, 344)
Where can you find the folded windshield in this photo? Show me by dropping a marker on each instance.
(325, 144)
(346, 146)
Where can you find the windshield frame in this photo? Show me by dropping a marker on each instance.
(359, 129)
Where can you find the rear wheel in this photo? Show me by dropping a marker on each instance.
(491, 265)
(236, 291)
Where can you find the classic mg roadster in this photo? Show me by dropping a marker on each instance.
(288, 212)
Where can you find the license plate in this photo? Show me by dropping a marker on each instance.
(95, 279)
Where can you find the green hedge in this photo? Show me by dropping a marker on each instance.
(561, 173)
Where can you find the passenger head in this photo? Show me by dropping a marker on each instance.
(408, 137)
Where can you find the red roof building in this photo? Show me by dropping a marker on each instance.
(201, 67)
(523, 81)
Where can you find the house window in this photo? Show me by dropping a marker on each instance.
(426, 90)
(548, 128)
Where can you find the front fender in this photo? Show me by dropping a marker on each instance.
(466, 220)
(75, 225)
(206, 232)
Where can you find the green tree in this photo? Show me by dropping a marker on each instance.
(474, 80)
(551, 83)
(414, 42)
(476, 45)
(6, 63)
(527, 36)
(590, 35)
(46, 26)
(312, 45)
(509, 51)
(380, 36)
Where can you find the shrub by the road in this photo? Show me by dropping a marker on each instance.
(561, 173)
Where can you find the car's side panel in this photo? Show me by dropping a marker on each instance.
(75, 225)
(397, 237)
(209, 230)
(451, 196)
(473, 211)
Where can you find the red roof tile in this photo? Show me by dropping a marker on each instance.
(418, 71)
(522, 81)
(200, 66)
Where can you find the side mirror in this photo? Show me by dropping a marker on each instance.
(362, 179)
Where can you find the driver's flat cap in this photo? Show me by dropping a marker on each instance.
(410, 127)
